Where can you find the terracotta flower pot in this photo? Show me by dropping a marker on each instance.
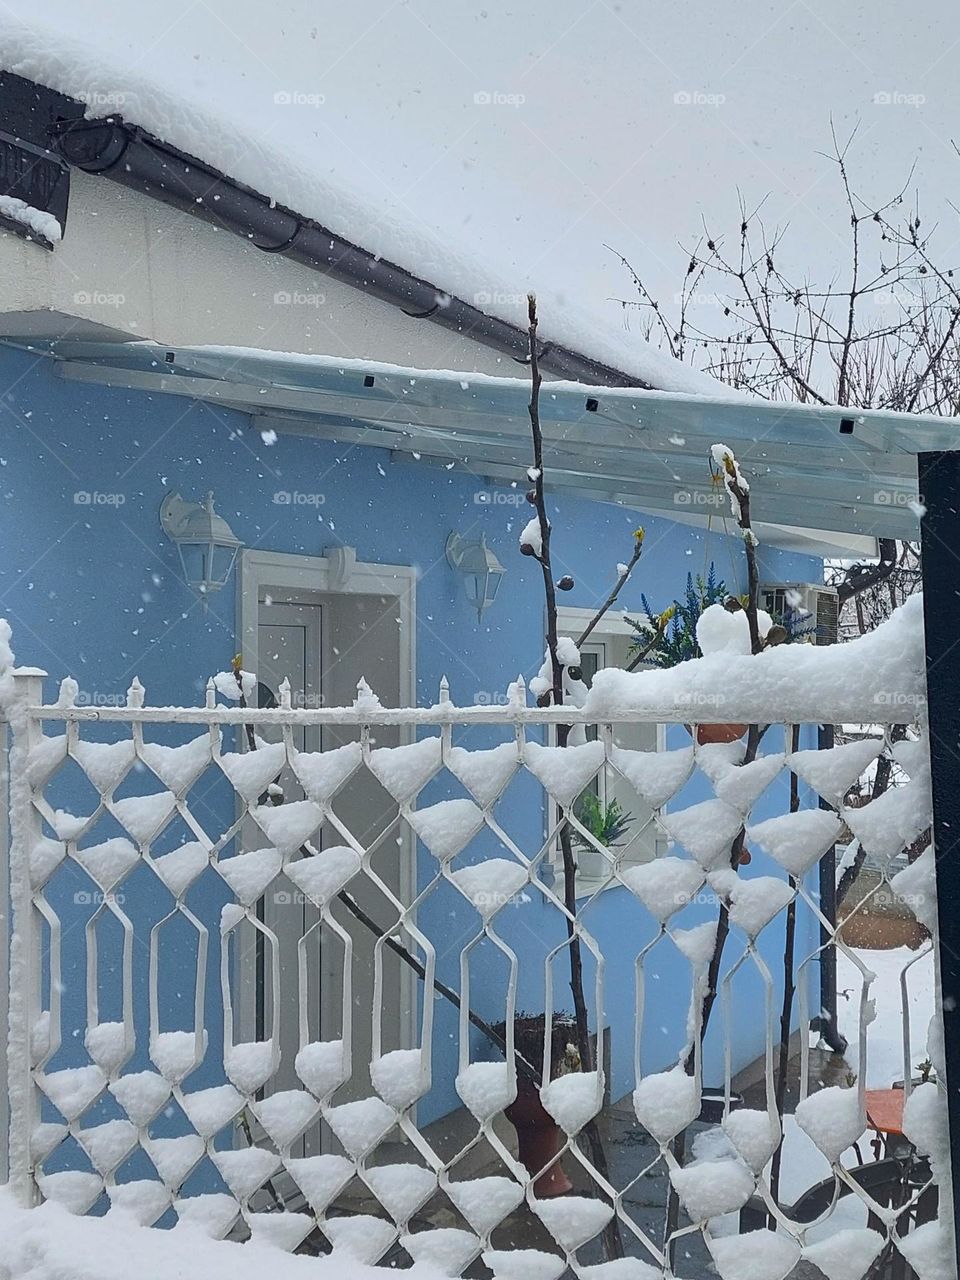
(540, 1139)
(708, 734)
(711, 733)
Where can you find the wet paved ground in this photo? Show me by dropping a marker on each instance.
(634, 1167)
(634, 1164)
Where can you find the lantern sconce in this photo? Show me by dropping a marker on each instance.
(205, 543)
(482, 571)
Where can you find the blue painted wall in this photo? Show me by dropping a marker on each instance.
(91, 588)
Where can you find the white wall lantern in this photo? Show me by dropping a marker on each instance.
(482, 571)
(205, 543)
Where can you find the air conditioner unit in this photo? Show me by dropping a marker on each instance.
(809, 611)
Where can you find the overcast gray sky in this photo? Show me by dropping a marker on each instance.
(538, 132)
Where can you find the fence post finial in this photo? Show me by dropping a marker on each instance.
(135, 693)
(444, 691)
(211, 694)
(517, 693)
(285, 694)
(366, 699)
(67, 696)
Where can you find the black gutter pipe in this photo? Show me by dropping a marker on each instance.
(133, 158)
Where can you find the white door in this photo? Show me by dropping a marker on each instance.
(324, 643)
(289, 647)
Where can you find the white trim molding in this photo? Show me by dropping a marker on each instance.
(572, 619)
(337, 572)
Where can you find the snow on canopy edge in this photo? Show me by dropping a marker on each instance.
(872, 678)
(703, 395)
(200, 124)
(38, 221)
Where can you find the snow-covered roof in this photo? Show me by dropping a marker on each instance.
(809, 466)
(213, 123)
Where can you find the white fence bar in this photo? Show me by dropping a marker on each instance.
(23, 999)
(317, 1119)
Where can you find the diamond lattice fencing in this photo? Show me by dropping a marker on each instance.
(315, 996)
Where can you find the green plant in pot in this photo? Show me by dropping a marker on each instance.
(607, 823)
(668, 643)
(678, 641)
(540, 1139)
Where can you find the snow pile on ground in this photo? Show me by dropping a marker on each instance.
(48, 1243)
(805, 683)
(803, 1164)
(885, 1063)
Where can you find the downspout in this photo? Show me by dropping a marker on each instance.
(133, 158)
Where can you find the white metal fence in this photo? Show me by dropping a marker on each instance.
(240, 997)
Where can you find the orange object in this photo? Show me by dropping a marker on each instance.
(885, 1110)
(540, 1139)
(708, 733)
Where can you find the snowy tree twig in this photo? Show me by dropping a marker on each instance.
(739, 491)
(611, 1238)
(621, 582)
(789, 991)
(536, 495)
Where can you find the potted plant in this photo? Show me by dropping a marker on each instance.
(607, 823)
(540, 1139)
(672, 639)
(678, 642)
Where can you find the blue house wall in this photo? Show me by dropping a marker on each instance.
(92, 589)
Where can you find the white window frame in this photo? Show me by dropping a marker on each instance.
(571, 622)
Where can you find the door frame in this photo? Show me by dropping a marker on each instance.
(336, 573)
(339, 572)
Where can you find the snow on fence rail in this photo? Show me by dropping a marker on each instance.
(322, 1053)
